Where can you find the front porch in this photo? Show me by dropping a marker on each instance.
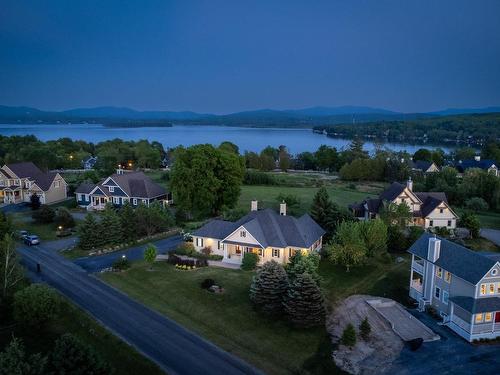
(233, 252)
(11, 195)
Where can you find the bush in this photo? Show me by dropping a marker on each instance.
(150, 254)
(185, 248)
(35, 202)
(44, 215)
(258, 178)
(14, 360)
(476, 204)
(206, 251)
(174, 259)
(249, 262)
(121, 264)
(71, 356)
(348, 336)
(207, 283)
(64, 218)
(472, 223)
(365, 329)
(36, 305)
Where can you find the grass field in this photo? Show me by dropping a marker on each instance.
(229, 320)
(267, 195)
(123, 358)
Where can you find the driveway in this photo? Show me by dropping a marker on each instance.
(99, 262)
(11, 208)
(491, 234)
(175, 349)
(450, 355)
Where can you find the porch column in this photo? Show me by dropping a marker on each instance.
(224, 246)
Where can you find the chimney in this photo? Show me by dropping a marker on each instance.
(434, 249)
(409, 184)
(477, 158)
(283, 208)
(254, 205)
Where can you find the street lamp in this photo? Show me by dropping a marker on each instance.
(60, 227)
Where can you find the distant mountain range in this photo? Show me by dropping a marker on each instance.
(306, 117)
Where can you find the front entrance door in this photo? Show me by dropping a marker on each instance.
(497, 317)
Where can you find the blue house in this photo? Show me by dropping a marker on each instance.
(488, 165)
(119, 188)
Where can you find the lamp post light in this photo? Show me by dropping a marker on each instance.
(60, 227)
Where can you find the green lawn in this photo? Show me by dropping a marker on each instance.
(229, 321)
(267, 195)
(23, 221)
(489, 219)
(121, 356)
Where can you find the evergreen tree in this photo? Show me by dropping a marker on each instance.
(365, 329)
(348, 336)
(6, 226)
(321, 209)
(304, 303)
(269, 287)
(14, 361)
(128, 222)
(110, 227)
(300, 263)
(88, 231)
(71, 356)
(35, 201)
(44, 215)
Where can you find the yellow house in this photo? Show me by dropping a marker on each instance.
(19, 181)
(271, 235)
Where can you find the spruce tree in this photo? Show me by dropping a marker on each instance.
(321, 208)
(365, 329)
(88, 232)
(348, 336)
(304, 302)
(128, 222)
(110, 227)
(269, 287)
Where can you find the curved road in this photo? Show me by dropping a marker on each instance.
(175, 349)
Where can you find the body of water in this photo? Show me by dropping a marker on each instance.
(251, 139)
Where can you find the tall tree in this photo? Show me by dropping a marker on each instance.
(268, 288)
(128, 222)
(374, 234)
(204, 180)
(304, 304)
(11, 273)
(88, 230)
(348, 247)
(6, 226)
(110, 226)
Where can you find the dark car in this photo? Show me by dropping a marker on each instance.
(22, 234)
(31, 240)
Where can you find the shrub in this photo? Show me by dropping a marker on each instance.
(150, 254)
(64, 218)
(36, 304)
(249, 262)
(35, 201)
(472, 223)
(185, 248)
(348, 336)
(206, 250)
(476, 204)
(174, 259)
(121, 264)
(71, 356)
(44, 215)
(258, 178)
(365, 329)
(207, 283)
(14, 360)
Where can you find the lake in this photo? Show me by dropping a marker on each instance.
(251, 139)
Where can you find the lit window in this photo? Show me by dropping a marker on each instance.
(243, 233)
(276, 253)
(446, 296)
(483, 289)
(447, 276)
(439, 272)
(261, 252)
(437, 292)
(478, 318)
(488, 317)
(492, 289)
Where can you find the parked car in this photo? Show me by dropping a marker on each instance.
(31, 240)
(22, 234)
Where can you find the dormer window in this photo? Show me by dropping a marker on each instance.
(111, 189)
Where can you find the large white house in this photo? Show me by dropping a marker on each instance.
(429, 209)
(271, 235)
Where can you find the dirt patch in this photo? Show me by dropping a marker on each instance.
(373, 356)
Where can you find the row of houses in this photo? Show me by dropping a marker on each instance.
(488, 165)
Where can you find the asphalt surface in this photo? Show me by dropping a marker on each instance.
(491, 234)
(98, 263)
(175, 349)
(449, 355)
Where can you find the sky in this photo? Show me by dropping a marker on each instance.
(227, 56)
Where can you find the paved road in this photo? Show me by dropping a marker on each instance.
(97, 263)
(172, 347)
(450, 355)
(491, 234)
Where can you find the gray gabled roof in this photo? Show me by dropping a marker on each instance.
(85, 188)
(392, 192)
(29, 170)
(269, 228)
(477, 305)
(469, 265)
